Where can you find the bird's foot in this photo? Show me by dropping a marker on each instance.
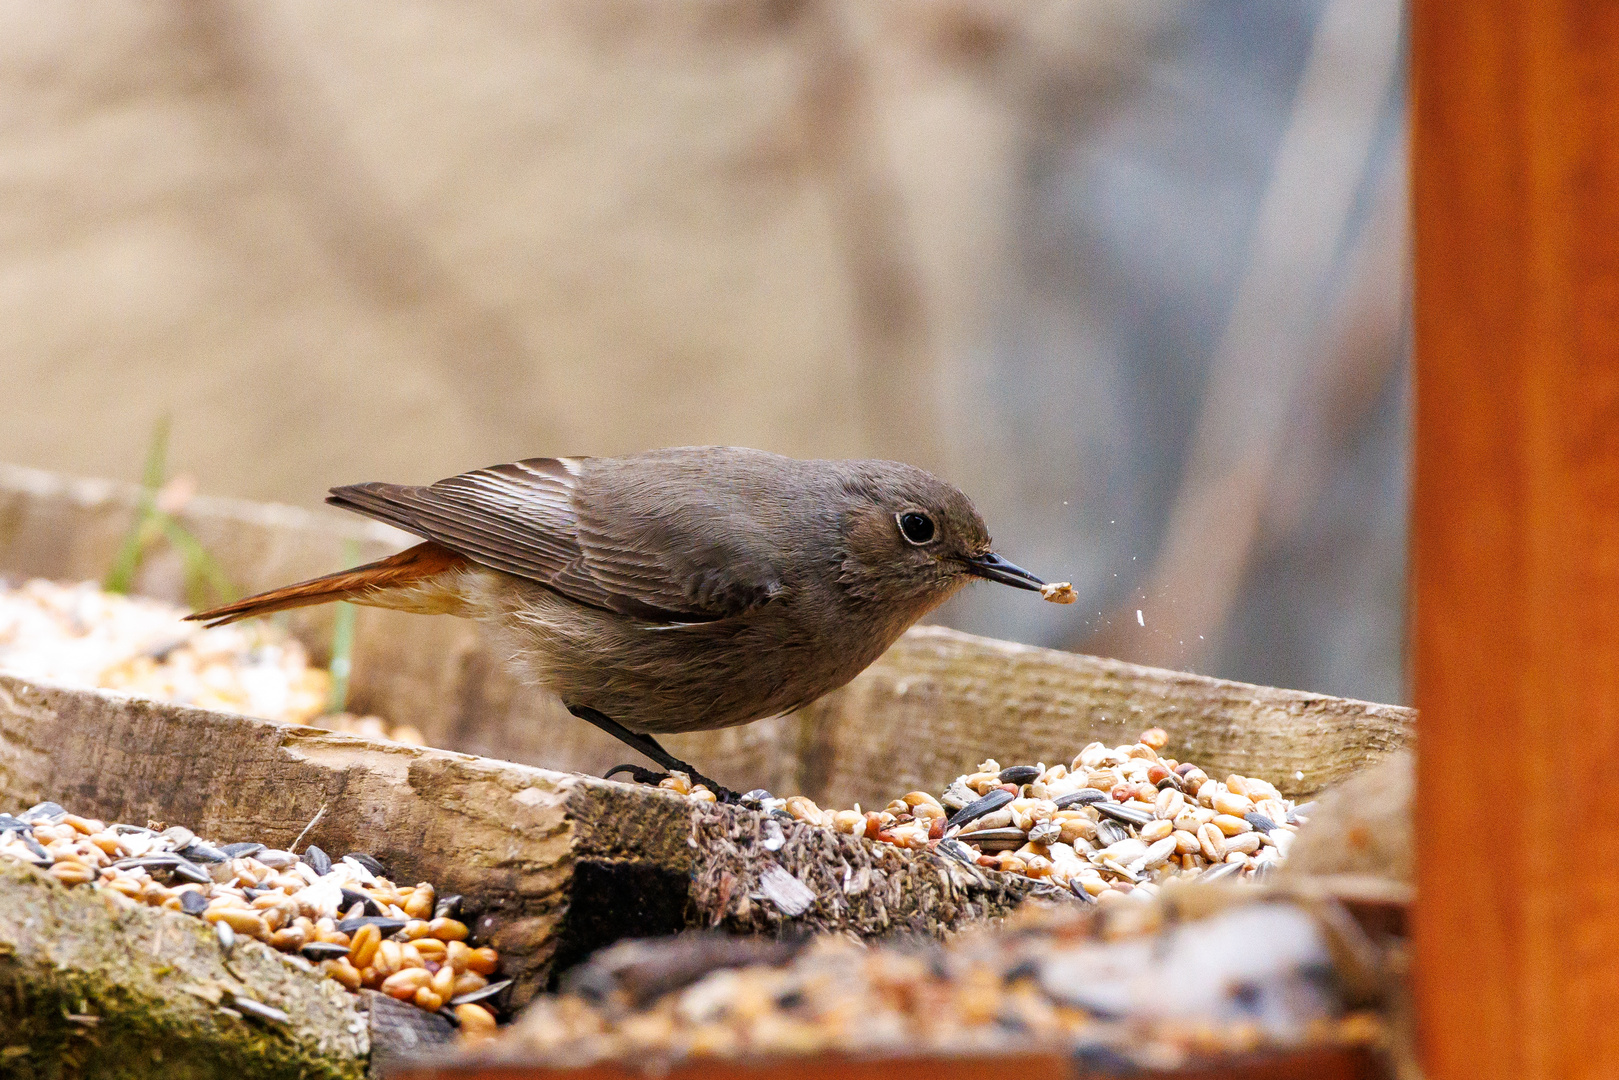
(723, 794)
(637, 774)
(647, 776)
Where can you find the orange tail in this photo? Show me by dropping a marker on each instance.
(413, 566)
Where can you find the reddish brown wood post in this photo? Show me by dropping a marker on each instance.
(1516, 536)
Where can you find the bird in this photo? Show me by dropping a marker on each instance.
(674, 590)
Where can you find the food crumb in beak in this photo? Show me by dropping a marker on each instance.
(1059, 592)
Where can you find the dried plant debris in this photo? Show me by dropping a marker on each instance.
(342, 915)
(1113, 821)
(80, 635)
(1154, 990)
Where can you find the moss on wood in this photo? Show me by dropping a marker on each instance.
(93, 989)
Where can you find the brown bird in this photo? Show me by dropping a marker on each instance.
(675, 590)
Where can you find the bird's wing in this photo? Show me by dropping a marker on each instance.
(532, 519)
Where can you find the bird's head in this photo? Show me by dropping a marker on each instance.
(912, 539)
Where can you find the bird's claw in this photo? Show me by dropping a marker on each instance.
(647, 776)
(637, 774)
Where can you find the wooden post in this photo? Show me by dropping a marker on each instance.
(1516, 536)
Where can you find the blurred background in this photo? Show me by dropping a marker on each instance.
(1131, 272)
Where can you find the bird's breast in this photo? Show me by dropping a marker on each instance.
(661, 678)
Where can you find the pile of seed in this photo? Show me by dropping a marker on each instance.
(343, 916)
(1114, 820)
(79, 635)
(1155, 992)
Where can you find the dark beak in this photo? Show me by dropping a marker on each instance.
(994, 568)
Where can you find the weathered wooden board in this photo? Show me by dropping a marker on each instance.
(939, 702)
(94, 989)
(934, 706)
(557, 864)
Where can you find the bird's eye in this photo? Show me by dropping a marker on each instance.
(916, 528)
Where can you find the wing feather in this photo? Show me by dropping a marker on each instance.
(525, 518)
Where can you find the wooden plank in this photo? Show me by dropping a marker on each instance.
(931, 708)
(93, 988)
(940, 701)
(557, 864)
(1516, 535)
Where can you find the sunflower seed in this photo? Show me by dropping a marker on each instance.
(323, 950)
(45, 813)
(1132, 815)
(276, 859)
(371, 865)
(241, 851)
(1109, 833)
(193, 902)
(198, 851)
(1259, 821)
(351, 897)
(188, 871)
(978, 808)
(150, 862)
(480, 995)
(385, 926)
(318, 860)
(1081, 798)
(448, 907)
(996, 839)
(1019, 774)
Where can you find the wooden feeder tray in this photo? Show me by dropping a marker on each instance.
(557, 864)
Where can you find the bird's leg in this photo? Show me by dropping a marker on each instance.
(646, 744)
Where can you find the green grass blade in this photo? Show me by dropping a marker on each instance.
(206, 581)
(126, 564)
